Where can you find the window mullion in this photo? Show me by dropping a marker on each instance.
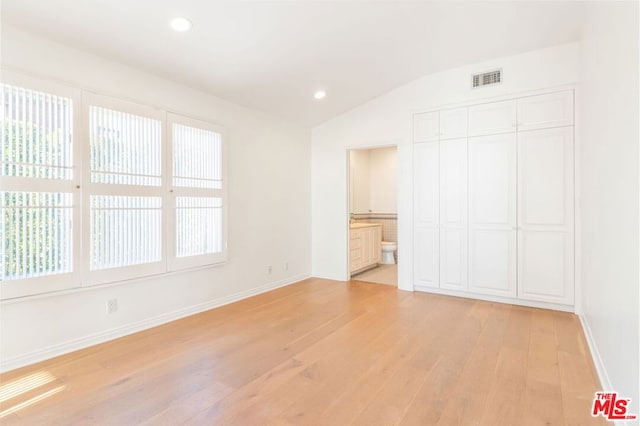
(9, 183)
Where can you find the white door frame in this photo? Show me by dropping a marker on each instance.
(347, 214)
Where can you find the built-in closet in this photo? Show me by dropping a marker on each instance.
(494, 200)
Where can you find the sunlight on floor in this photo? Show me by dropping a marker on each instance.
(25, 385)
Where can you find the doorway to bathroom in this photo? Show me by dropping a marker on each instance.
(373, 215)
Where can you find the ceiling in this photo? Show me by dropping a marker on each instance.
(272, 56)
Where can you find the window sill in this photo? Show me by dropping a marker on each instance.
(85, 288)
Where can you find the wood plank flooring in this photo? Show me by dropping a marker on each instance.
(323, 352)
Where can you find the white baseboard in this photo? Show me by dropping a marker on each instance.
(499, 299)
(330, 277)
(601, 371)
(605, 383)
(12, 363)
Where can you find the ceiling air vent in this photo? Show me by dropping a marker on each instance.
(486, 78)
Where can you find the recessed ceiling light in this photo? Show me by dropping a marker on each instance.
(320, 94)
(180, 24)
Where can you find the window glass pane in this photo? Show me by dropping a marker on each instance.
(36, 231)
(197, 157)
(125, 148)
(37, 134)
(125, 231)
(198, 225)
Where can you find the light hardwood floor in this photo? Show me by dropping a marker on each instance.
(323, 353)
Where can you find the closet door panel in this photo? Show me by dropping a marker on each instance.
(492, 118)
(546, 215)
(453, 214)
(453, 258)
(492, 215)
(545, 111)
(492, 180)
(492, 262)
(426, 257)
(544, 267)
(426, 185)
(426, 126)
(426, 214)
(545, 172)
(453, 123)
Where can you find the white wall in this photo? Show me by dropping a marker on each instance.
(269, 212)
(385, 121)
(383, 179)
(373, 180)
(360, 185)
(609, 180)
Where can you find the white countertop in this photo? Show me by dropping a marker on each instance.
(362, 225)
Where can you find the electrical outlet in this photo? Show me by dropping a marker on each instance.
(269, 269)
(286, 266)
(112, 306)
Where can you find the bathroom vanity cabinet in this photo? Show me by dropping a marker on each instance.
(365, 244)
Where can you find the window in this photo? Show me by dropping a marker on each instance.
(138, 192)
(124, 203)
(125, 148)
(197, 193)
(125, 231)
(37, 232)
(39, 198)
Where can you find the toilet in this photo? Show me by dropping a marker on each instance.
(388, 249)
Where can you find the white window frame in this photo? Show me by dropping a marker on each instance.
(103, 276)
(81, 188)
(177, 263)
(55, 282)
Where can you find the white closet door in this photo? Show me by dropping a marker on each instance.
(546, 215)
(426, 126)
(545, 111)
(453, 214)
(492, 118)
(492, 215)
(426, 216)
(453, 123)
